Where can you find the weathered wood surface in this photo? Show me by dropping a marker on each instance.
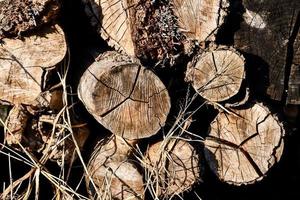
(37, 134)
(242, 147)
(156, 30)
(24, 64)
(173, 166)
(19, 16)
(217, 74)
(126, 98)
(271, 30)
(200, 19)
(112, 173)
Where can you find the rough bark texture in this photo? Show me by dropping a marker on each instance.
(271, 31)
(126, 98)
(243, 146)
(217, 74)
(18, 16)
(112, 173)
(156, 31)
(173, 166)
(24, 64)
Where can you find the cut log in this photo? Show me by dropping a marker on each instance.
(112, 173)
(217, 74)
(242, 147)
(126, 98)
(172, 167)
(271, 31)
(156, 30)
(200, 19)
(18, 16)
(25, 63)
(16, 124)
(35, 133)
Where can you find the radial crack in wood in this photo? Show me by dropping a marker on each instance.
(270, 30)
(243, 146)
(124, 97)
(156, 31)
(217, 74)
(18, 16)
(173, 166)
(24, 63)
(112, 173)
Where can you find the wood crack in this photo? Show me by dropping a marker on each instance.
(239, 147)
(289, 58)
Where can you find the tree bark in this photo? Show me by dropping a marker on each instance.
(123, 96)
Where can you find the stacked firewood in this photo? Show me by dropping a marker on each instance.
(122, 90)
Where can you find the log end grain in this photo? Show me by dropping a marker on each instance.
(23, 64)
(114, 177)
(200, 19)
(174, 166)
(217, 74)
(125, 97)
(242, 147)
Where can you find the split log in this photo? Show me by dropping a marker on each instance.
(114, 176)
(24, 64)
(19, 16)
(242, 147)
(270, 30)
(217, 74)
(172, 167)
(156, 30)
(42, 134)
(126, 98)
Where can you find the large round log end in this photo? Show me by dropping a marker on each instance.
(124, 97)
(217, 75)
(242, 147)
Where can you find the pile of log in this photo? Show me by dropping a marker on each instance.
(125, 94)
(33, 47)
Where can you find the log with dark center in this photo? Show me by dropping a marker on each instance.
(242, 147)
(217, 74)
(271, 30)
(113, 175)
(24, 64)
(156, 31)
(124, 97)
(173, 166)
(18, 16)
